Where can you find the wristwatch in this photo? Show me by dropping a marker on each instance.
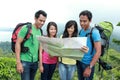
(90, 66)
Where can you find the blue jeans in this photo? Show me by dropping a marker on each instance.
(66, 71)
(48, 71)
(80, 69)
(30, 69)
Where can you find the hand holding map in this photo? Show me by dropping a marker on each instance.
(64, 47)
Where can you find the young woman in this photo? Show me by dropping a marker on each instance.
(47, 62)
(67, 66)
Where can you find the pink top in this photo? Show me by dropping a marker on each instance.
(46, 58)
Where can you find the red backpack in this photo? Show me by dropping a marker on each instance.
(15, 33)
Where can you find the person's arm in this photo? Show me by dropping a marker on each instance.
(17, 54)
(40, 59)
(97, 46)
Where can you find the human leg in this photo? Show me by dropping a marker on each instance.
(62, 71)
(26, 73)
(44, 75)
(51, 70)
(33, 70)
(70, 71)
(80, 68)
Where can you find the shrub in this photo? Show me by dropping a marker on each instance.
(7, 69)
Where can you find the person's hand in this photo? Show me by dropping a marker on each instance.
(84, 49)
(41, 69)
(19, 67)
(87, 72)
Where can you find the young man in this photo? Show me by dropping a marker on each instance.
(85, 67)
(27, 62)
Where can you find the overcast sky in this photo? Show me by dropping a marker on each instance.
(60, 11)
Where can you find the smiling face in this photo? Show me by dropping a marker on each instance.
(84, 22)
(71, 30)
(52, 31)
(39, 22)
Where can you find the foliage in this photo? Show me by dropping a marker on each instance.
(116, 41)
(7, 69)
(118, 24)
(1, 51)
(112, 58)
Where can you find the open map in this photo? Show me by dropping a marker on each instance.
(63, 47)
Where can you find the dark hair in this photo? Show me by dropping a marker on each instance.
(37, 14)
(68, 25)
(48, 27)
(86, 13)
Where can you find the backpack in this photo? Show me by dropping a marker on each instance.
(15, 33)
(105, 29)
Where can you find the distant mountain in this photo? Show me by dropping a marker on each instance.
(6, 29)
(6, 47)
(61, 28)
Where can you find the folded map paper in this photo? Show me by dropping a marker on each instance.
(63, 47)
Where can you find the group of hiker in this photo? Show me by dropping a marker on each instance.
(30, 56)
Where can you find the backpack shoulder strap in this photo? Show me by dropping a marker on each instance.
(41, 31)
(29, 26)
(91, 39)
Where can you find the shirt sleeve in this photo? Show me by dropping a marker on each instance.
(96, 35)
(22, 32)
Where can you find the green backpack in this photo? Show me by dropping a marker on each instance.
(108, 26)
(105, 29)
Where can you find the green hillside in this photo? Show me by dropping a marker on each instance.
(8, 66)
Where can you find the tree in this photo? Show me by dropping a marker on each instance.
(118, 24)
(116, 41)
(1, 51)
(5, 46)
